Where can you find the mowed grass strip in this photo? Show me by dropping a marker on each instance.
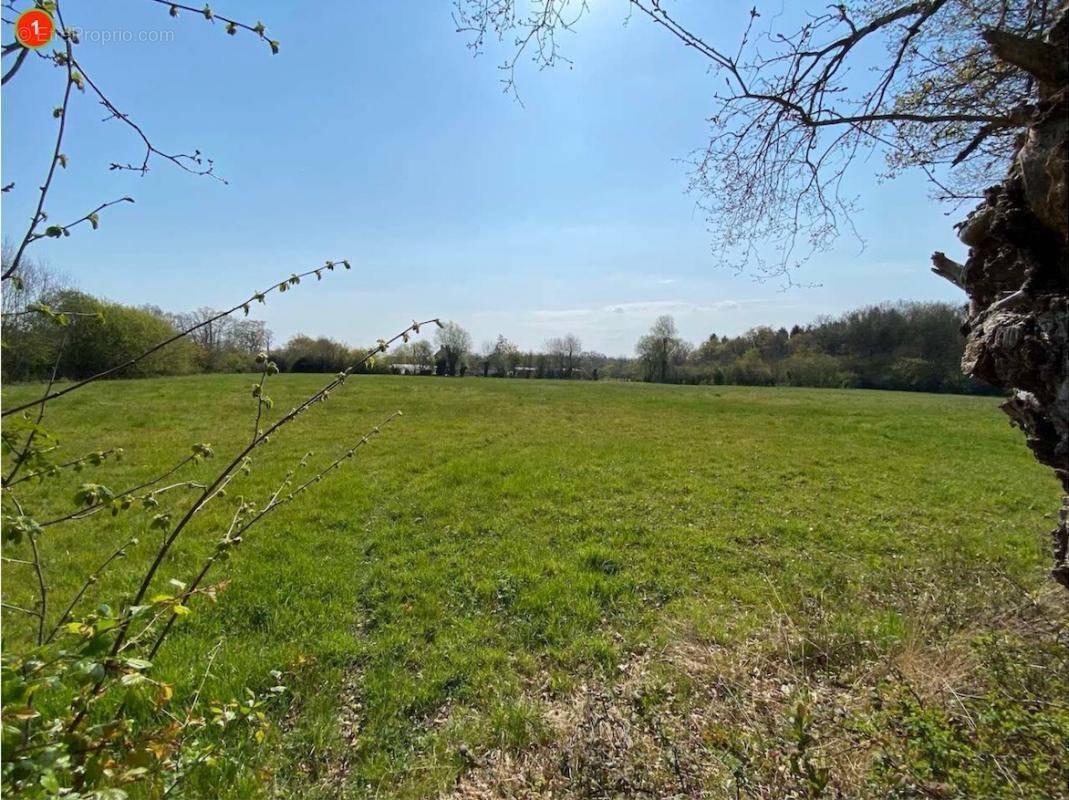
(505, 536)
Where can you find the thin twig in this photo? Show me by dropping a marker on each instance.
(65, 465)
(91, 217)
(14, 67)
(232, 24)
(25, 452)
(82, 513)
(92, 579)
(180, 160)
(13, 607)
(38, 214)
(260, 397)
(42, 589)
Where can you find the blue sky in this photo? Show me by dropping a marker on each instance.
(377, 136)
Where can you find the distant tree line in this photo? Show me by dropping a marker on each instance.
(95, 334)
(909, 346)
(906, 345)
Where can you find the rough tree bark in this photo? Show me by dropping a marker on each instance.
(1017, 272)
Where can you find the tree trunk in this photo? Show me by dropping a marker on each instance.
(1017, 273)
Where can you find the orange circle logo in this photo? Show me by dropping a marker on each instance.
(34, 28)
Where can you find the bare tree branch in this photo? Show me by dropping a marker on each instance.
(800, 106)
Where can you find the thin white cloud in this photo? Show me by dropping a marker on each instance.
(615, 327)
(641, 308)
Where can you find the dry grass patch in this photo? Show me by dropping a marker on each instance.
(772, 718)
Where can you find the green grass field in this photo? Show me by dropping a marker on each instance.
(507, 545)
